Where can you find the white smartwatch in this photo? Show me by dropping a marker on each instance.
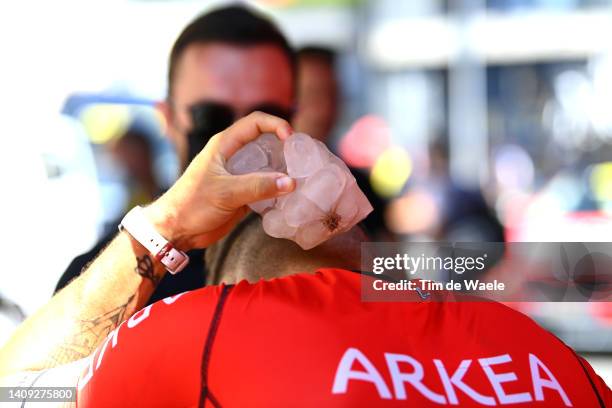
(137, 225)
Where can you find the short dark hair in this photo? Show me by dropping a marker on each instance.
(324, 54)
(236, 25)
(248, 247)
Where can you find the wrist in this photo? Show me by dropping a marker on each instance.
(165, 221)
(154, 229)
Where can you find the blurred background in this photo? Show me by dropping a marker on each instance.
(466, 120)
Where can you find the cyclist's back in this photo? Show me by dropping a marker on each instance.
(309, 340)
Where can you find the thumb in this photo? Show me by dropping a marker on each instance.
(249, 188)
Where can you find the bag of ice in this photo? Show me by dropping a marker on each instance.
(326, 201)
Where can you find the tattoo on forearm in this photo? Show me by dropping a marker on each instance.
(145, 268)
(89, 335)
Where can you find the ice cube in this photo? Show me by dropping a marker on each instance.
(302, 155)
(274, 224)
(311, 235)
(273, 147)
(364, 207)
(248, 159)
(325, 153)
(338, 162)
(299, 210)
(282, 200)
(325, 186)
(347, 207)
(261, 206)
(326, 200)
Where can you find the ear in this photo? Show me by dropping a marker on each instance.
(165, 110)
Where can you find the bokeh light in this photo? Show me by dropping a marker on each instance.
(513, 167)
(510, 206)
(415, 212)
(105, 122)
(391, 172)
(365, 141)
(601, 182)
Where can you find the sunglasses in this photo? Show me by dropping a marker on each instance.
(213, 117)
(210, 118)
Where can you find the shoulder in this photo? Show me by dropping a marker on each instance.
(321, 286)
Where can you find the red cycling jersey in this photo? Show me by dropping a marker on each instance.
(308, 340)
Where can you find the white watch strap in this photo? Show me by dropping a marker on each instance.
(137, 225)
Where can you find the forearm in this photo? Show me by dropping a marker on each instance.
(77, 319)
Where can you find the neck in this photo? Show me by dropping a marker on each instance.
(253, 274)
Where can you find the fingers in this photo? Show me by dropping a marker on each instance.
(249, 188)
(248, 129)
(213, 236)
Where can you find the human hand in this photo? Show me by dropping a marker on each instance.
(207, 201)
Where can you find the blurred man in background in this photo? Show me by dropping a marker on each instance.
(224, 65)
(317, 88)
(134, 152)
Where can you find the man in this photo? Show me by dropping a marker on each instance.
(317, 92)
(134, 152)
(302, 339)
(224, 65)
